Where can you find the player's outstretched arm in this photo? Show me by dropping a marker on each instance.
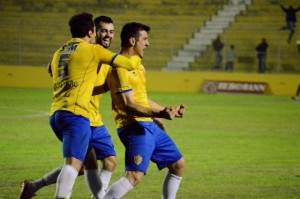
(106, 56)
(128, 63)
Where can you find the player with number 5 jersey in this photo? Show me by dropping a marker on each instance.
(74, 67)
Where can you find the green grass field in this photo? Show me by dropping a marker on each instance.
(235, 146)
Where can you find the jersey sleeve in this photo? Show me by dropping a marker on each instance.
(124, 83)
(121, 61)
(124, 75)
(106, 56)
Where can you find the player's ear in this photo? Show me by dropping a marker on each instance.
(90, 33)
(132, 41)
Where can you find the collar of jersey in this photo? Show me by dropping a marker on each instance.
(76, 40)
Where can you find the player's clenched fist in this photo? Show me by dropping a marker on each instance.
(180, 110)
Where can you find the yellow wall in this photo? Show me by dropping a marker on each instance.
(24, 77)
(183, 82)
(189, 82)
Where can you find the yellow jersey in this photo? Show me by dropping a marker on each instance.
(74, 68)
(120, 81)
(95, 116)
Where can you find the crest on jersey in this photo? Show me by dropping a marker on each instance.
(138, 159)
(140, 67)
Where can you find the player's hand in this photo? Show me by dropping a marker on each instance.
(168, 113)
(159, 123)
(180, 110)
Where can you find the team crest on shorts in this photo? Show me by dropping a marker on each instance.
(138, 159)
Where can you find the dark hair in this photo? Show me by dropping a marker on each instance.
(81, 24)
(104, 19)
(132, 30)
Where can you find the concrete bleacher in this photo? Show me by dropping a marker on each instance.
(35, 34)
(30, 38)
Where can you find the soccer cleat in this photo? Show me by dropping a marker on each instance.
(26, 190)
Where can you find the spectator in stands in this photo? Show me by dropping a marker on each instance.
(261, 50)
(291, 19)
(218, 46)
(230, 55)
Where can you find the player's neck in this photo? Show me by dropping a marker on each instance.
(127, 52)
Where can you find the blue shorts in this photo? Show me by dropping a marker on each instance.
(145, 141)
(74, 131)
(101, 142)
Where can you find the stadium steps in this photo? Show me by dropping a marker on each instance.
(203, 38)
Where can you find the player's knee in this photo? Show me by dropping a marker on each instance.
(178, 168)
(134, 177)
(181, 166)
(113, 164)
(110, 163)
(74, 162)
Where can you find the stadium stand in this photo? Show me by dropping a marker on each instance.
(263, 19)
(31, 31)
(37, 28)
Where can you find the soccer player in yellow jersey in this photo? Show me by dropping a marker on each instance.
(143, 139)
(74, 68)
(100, 140)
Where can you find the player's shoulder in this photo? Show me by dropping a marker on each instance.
(136, 59)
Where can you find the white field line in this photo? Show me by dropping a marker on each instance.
(32, 113)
